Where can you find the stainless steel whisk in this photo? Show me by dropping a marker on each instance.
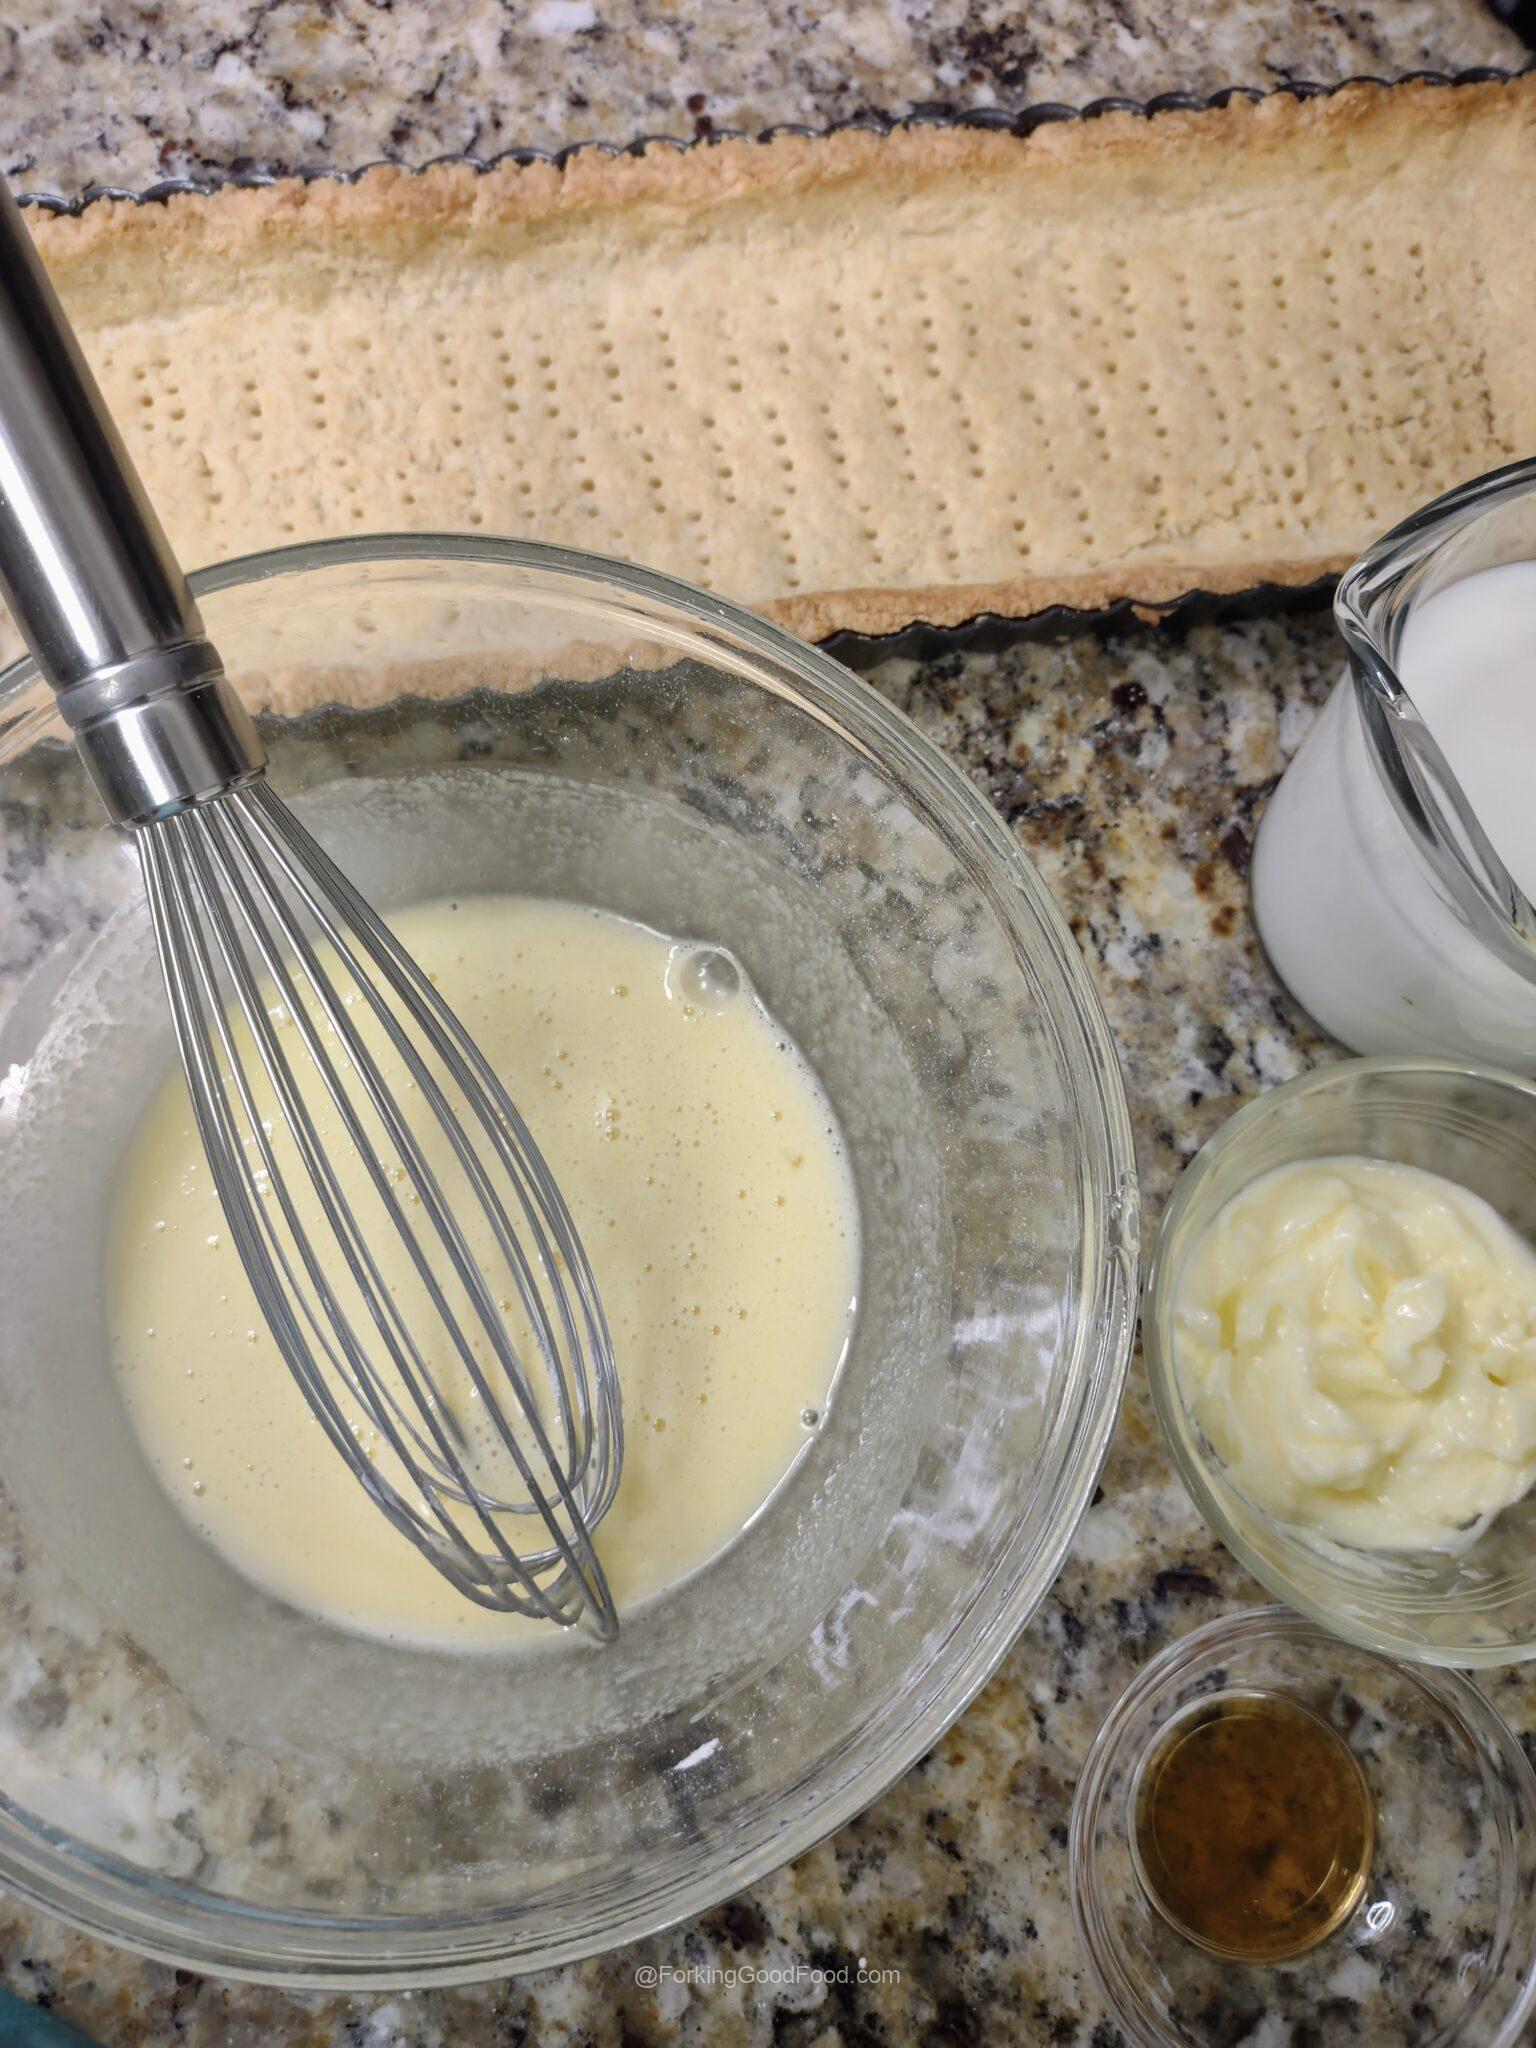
(302, 1027)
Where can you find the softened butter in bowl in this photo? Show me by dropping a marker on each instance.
(1356, 1339)
(1340, 1329)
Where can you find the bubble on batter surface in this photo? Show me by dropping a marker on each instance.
(707, 977)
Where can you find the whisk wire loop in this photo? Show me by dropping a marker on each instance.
(318, 881)
(356, 1368)
(578, 1451)
(581, 1443)
(204, 1029)
(249, 915)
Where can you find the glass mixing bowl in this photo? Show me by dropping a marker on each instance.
(194, 1770)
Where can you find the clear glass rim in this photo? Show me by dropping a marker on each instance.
(1406, 756)
(187, 1926)
(1193, 1466)
(1453, 1696)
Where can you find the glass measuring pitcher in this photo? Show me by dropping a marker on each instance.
(1383, 904)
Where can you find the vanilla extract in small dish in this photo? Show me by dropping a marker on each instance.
(1252, 1826)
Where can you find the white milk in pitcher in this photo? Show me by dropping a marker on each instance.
(1468, 660)
(1357, 923)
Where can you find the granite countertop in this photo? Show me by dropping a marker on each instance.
(145, 89)
(1132, 770)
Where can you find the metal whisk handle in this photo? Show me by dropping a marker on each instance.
(89, 575)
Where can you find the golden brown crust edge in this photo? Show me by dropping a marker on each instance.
(874, 613)
(812, 616)
(704, 176)
(817, 615)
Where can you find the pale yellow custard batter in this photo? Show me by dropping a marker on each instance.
(703, 1167)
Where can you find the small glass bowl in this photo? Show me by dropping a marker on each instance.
(1441, 1947)
(1474, 1125)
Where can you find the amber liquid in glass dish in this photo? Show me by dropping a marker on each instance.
(1252, 1826)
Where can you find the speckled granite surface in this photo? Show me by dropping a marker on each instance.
(145, 89)
(1132, 770)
